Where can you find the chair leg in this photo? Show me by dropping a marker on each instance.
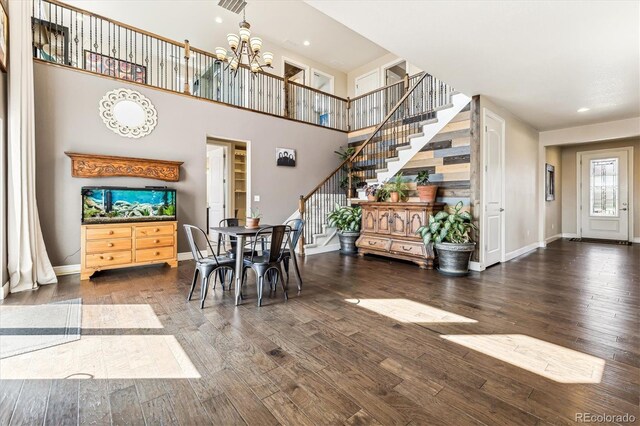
(232, 275)
(285, 287)
(260, 285)
(204, 288)
(193, 283)
(285, 263)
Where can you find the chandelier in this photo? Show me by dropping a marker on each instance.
(245, 50)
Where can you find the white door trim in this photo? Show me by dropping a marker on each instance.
(332, 79)
(305, 67)
(630, 175)
(486, 112)
(384, 67)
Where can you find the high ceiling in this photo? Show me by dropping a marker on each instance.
(543, 60)
(284, 23)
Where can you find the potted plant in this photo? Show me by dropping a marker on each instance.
(426, 191)
(253, 219)
(397, 188)
(350, 190)
(450, 232)
(371, 191)
(347, 219)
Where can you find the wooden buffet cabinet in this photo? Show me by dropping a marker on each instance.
(389, 229)
(120, 245)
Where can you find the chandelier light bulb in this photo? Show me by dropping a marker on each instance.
(234, 64)
(221, 53)
(268, 58)
(245, 33)
(233, 40)
(256, 44)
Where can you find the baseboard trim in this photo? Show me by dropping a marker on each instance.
(476, 266)
(569, 235)
(66, 269)
(636, 240)
(526, 249)
(552, 238)
(5, 291)
(321, 249)
(185, 256)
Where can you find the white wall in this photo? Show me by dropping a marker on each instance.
(521, 203)
(375, 65)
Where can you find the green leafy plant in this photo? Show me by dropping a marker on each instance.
(398, 184)
(423, 178)
(345, 153)
(450, 227)
(372, 189)
(254, 213)
(383, 193)
(356, 181)
(345, 218)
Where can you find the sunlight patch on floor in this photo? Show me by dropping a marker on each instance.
(119, 316)
(104, 357)
(405, 310)
(546, 359)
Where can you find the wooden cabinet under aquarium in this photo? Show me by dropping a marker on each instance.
(124, 227)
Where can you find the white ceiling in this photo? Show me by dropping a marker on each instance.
(542, 60)
(284, 23)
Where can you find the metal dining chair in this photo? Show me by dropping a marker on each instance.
(297, 227)
(205, 265)
(277, 238)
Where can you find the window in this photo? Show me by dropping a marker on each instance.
(603, 187)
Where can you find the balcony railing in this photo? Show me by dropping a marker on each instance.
(74, 37)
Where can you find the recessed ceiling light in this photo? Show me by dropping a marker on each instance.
(306, 43)
(584, 109)
(218, 20)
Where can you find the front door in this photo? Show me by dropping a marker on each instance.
(604, 195)
(493, 189)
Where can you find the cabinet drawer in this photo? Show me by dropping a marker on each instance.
(106, 232)
(100, 246)
(151, 242)
(408, 247)
(107, 259)
(148, 255)
(373, 243)
(150, 231)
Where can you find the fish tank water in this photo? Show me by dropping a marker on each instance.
(114, 204)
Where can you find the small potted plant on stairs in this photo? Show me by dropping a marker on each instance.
(450, 232)
(397, 188)
(347, 219)
(426, 191)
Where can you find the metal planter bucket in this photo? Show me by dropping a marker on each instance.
(453, 259)
(348, 242)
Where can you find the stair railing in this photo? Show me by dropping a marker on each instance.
(419, 103)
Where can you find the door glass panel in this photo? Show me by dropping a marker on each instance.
(603, 187)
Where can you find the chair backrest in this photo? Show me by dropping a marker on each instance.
(297, 226)
(193, 235)
(278, 237)
(230, 221)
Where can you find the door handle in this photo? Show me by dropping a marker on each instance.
(501, 209)
(624, 209)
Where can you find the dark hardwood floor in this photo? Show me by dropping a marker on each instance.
(322, 359)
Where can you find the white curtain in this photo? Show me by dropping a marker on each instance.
(28, 262)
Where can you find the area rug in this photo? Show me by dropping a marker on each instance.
(28, 328)
(598, 241)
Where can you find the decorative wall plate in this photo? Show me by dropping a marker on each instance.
(128, 113)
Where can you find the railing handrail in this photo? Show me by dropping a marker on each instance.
(313, 89)
(379, 89)
(369, 139)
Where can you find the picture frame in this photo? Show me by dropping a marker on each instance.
(50, 41)
(550, 182)
(285, 157)
(119, 68)
(4, 37)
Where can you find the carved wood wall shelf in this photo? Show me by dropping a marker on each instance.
(91, 165)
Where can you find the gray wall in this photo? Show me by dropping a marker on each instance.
(67, 120)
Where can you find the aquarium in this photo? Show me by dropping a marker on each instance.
(110, 204)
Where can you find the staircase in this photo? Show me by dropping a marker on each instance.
(423, 111)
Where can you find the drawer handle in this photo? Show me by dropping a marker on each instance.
(108, 257)
(157, 253)
(109, 244)
(157, 230)
(407, 249)
(372, 243)
(110, 232)
(156, 241)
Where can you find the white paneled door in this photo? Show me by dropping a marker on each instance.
(493, 189)
(216, 194)
(604, 195)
